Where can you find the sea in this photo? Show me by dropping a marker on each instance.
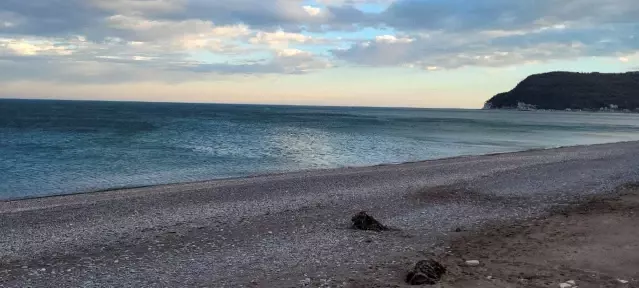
(50, 147)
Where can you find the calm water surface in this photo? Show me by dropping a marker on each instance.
(57, 147)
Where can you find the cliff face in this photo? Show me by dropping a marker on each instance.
(567, 90)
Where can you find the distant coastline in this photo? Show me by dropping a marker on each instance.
(528, 109)
(568, 91)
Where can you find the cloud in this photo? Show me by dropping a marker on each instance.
(48, 17)
(138, 7)
(283, 39)
(29, 48)
(450, 34)
(464, 15)
(392, 39)
(354, 2)
(141, 29)
(61, 17)
(125, 40)
(489, 49)
(286, 61)
(313, 11)
(120, 61)
(456, 33)
(384, 50)
(263, 14)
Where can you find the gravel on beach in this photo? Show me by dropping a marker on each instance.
(293, 229)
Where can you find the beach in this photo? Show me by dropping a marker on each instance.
(293, 229)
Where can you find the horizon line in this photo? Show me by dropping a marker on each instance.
(237, 104)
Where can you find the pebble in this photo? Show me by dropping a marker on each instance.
(622, 281)
(571, 282)
(305, 282)
(472, 263)
(564, 285)
(489, 277)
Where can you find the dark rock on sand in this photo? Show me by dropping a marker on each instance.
(426, 272)
(363, 221)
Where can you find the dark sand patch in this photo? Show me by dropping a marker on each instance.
(594, 244)
(459, 194)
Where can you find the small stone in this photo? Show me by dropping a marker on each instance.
(472, 263)
(42, 269)
(564, 285)
(426, 272)
(622, 281)
(418, 279)
(116, 261)
(489, 277)
(363, 221)
(270, 232)
(571, 282)
(305, 282)
(25, 267)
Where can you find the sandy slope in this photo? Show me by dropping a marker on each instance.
(278, 230)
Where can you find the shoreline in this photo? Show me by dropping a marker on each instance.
(259, 175)
(280, 230)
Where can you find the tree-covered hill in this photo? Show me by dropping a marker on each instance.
(568, 90)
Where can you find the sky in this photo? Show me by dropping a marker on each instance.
(408, 53)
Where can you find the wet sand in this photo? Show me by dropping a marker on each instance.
(595, 244)
(291, 230)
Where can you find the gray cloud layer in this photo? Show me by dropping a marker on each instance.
(97, 37)
(461, 15)
(457, 33)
